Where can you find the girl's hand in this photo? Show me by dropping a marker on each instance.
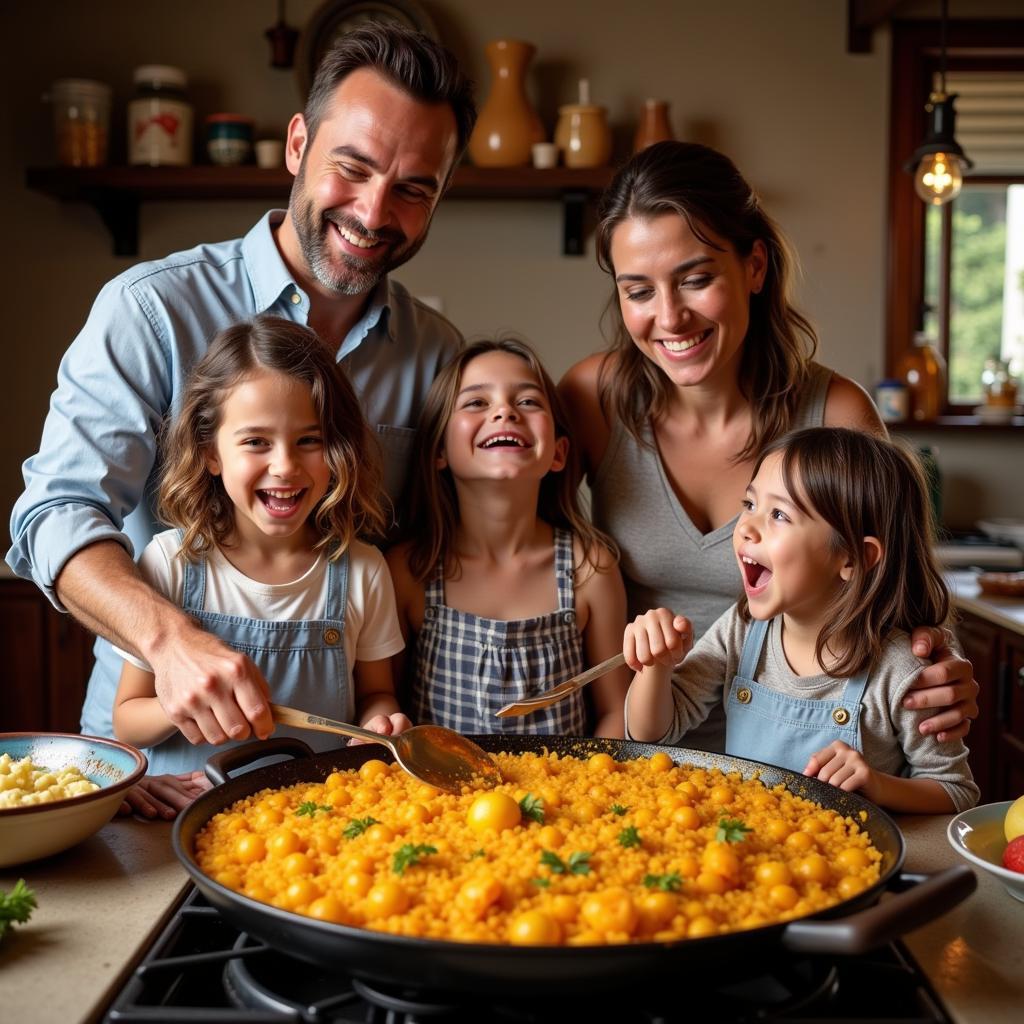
(840, 765)
(162, 796)
(386, 725)
(658, 637)
(947, 684)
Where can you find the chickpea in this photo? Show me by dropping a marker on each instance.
(610, 910)
(550, 838)
(283, 842)
(373, 770)
(356, 884)
(300, 893)
(852, 859)
(493, 811)
(773, 872)
(799, 842)
(601, 763)
(387, 898)
(534, 928)
(656, 910)
(249, 848)
(783, 896)
(687, 817)
(327, 908)
(661, 762)
(813, 868)
(296, 864)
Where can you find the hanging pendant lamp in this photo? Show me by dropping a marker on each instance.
(938, 164)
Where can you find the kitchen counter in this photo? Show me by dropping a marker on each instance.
(104, 900)
(1000, 611)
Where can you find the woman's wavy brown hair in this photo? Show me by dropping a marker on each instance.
(433, 502)
(194, 500)
(704, 187)
(864, 486)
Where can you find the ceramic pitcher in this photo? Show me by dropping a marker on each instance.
(654, 125)
(508, 126)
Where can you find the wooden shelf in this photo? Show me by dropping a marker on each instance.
(117, 192)
(945, 424)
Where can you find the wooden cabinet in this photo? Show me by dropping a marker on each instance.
(48, 658)
(996, 739)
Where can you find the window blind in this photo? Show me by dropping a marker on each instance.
(989, 119)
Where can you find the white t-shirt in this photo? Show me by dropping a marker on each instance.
(372, 631)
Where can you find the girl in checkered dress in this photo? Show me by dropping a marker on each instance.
(505, 588)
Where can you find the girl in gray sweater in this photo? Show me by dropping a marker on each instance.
(833, 543)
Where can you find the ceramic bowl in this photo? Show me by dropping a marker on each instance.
(977, 835)
(28, 833)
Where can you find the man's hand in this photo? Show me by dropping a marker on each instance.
(841, 766)
(162, 796)
(211, 692)
(947, 684)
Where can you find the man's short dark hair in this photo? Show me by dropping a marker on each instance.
(412, 61)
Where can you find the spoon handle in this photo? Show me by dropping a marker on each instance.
(304, 720)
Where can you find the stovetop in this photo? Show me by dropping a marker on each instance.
(201, 968)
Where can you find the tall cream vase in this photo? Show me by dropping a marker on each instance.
(508, 126)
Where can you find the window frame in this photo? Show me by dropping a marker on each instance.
(996, 45)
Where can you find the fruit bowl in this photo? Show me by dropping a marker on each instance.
(977, 835)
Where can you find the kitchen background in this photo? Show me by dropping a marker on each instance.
(770, 82)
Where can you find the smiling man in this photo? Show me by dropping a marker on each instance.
(387, 118)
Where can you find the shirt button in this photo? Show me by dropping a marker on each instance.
(296, 298)
(743, 695)
(569, 618)
(840, 716)
(331, 636)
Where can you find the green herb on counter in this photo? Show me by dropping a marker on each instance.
(16, 906)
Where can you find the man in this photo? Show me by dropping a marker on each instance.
(387, 118)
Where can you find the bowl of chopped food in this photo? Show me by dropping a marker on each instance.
(57, 789)
(979, 836)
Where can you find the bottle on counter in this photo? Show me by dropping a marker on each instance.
(160, 118)
(924, 370)
(81, 121)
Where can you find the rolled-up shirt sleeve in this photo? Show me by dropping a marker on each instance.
(98, 445)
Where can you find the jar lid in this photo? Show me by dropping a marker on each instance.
(159, 74)
(81, 88)
(228, 119)
(581, 108)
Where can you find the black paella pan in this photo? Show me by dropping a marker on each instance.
(850, 927)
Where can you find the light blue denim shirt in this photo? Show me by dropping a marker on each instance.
(94, 477)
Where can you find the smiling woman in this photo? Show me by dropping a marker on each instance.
(710, 362)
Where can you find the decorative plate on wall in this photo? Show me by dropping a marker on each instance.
(332, 20)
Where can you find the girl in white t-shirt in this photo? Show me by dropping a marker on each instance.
(270, 475)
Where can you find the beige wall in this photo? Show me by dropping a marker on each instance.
(768, 82)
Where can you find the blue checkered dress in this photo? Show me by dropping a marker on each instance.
(467, 667)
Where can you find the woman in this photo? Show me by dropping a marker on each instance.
(710, 363)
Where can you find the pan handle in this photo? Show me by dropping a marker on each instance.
(926, 898)
(219, 765)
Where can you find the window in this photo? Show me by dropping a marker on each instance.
(957, 271)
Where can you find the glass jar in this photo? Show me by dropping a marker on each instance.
(924, 370)
(159, 118)
(81, 121)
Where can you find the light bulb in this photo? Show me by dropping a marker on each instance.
(939, 178)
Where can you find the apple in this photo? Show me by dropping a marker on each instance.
(1013, 855)
(1013, 823)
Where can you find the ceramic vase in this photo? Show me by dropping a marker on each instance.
(583, 135)
(654, 125)
(508, 126)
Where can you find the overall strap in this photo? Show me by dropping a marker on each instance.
(853, 692)
(193, 590)
(337, 588)
(752, 646)
(564, 576)
(433, 587)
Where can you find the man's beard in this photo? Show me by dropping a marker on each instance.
(345, 274)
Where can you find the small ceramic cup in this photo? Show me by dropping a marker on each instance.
(269, 153)
(228, 139)
(545, 155)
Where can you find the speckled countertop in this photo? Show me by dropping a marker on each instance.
(100, 904)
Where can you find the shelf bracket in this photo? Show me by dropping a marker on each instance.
(574, 208)
(120, 214)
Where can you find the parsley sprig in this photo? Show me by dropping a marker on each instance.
(310, 807)
(618, 810)
(666, 883)
(630, 837)
(408, 855)
(357, 826)
(578, 863)
(16, 906)
(532, 807)
(731, 830)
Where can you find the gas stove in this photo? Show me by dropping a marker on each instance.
(202, 968)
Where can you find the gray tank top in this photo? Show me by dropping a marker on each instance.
(666, 561)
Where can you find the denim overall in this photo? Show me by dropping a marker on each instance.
(303, 663)
(468, 666)
(765, 725)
